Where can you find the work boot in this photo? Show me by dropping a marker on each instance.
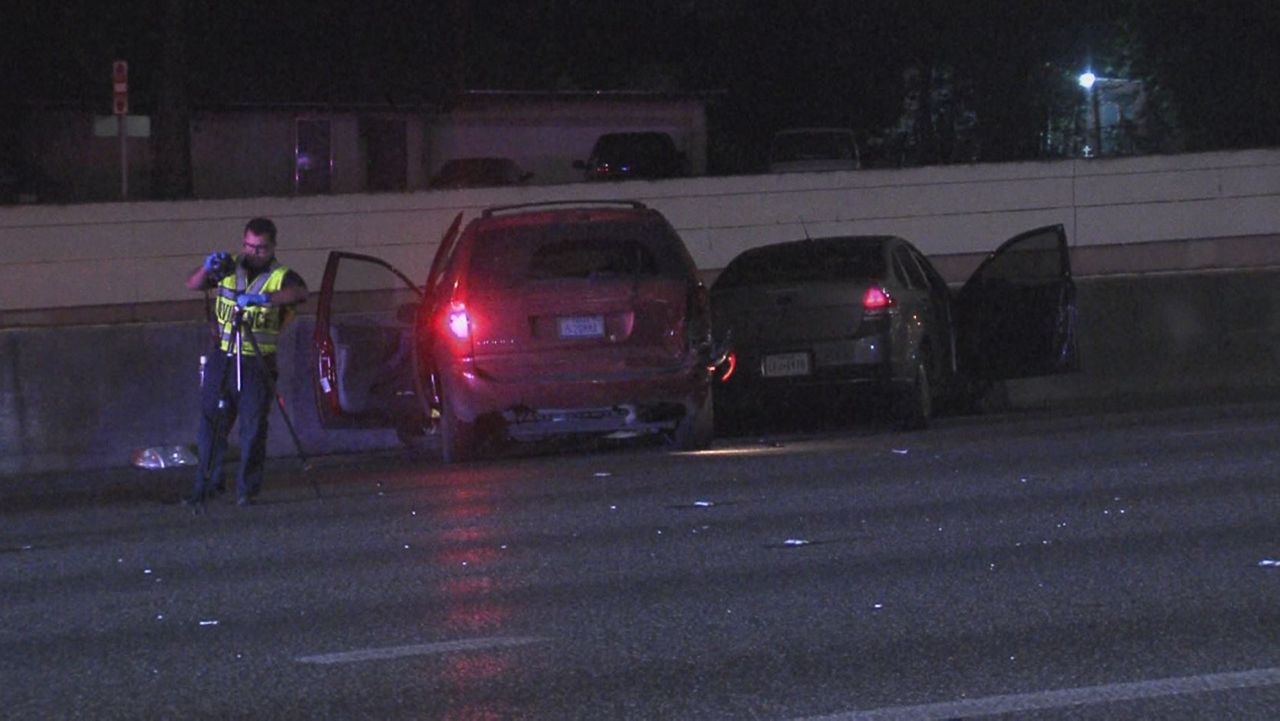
(195, 504)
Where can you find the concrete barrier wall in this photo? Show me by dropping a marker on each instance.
(84, 393)
(1135, 214)
(85, 397)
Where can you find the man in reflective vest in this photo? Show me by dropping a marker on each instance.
(254, 292)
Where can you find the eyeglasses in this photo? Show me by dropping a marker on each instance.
(259, 249)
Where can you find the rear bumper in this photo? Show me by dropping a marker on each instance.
(640, 402)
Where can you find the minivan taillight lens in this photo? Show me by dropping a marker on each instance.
(876, 299)
(457, 322)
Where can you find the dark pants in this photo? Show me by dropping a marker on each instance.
(220, 406)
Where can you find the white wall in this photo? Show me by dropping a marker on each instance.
(127, 253)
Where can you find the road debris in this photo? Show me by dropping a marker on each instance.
(158, 457)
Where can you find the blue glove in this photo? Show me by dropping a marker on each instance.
(244, 300)
(216, 262)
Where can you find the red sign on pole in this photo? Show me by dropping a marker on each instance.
(120, 87)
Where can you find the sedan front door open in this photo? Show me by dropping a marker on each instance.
(1016, 315)
(362, 350)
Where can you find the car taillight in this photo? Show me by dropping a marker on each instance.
(729, 365)
(876, 299)
(457, 322)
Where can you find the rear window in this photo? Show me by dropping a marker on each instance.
(512, 255)
(805, 261)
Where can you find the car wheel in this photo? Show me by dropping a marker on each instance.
(915, 404)
(696, 430)
(457, 437)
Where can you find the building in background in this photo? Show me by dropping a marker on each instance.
(71, 155)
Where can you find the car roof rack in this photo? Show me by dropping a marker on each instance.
(489, 212)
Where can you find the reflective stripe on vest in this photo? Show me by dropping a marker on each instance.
(265, 321)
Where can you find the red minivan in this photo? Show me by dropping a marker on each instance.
(536, 320)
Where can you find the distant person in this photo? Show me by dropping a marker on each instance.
(263, 293)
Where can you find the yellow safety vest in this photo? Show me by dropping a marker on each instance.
(265, 321)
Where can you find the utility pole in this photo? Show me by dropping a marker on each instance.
(120, 106)
(1097, 118)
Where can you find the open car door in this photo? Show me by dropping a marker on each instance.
(362, 350)
(1016, 315)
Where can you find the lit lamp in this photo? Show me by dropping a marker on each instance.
(1087, 81)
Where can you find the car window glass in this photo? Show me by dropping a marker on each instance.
(805, 261)
(908, 271)
(1036, 257)
(446, 263)
(937, 284)
(511, 255)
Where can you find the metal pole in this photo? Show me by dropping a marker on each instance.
(124, 157)
(1097, 117)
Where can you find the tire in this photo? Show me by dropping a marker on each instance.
(915, 404)
(458, 439)
(696, 430)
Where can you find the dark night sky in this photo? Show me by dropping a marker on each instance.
(778, 62)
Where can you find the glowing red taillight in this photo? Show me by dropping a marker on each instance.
(730, 365)
(457, 321)
(876, 299)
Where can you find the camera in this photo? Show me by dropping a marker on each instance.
(222, 266)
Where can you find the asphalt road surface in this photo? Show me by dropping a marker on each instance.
(1017, 566)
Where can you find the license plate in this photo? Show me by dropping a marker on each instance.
(582, 326)
(786, 364)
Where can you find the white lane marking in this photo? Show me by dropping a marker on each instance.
(421, 649)
(1043, 700)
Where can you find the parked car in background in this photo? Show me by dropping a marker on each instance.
(536, 320)
(478, 173)
(621, 156)
(872, 312)
(800, 150)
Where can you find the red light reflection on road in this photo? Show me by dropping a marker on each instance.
(468, 610)
(470, 545)
(472, 601)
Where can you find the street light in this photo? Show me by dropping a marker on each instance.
(1087, 81)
